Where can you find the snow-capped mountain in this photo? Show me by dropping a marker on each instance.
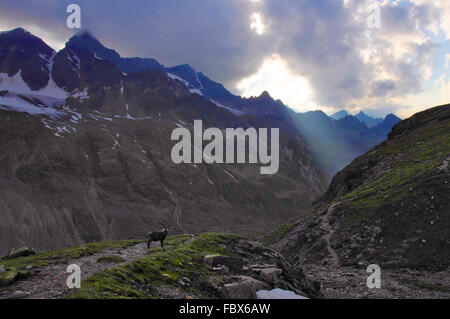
(86, 150)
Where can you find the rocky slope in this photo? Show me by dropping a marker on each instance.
(204, 266)
(388, 207)
(86, 155)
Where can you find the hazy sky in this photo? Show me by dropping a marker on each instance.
(311, 54)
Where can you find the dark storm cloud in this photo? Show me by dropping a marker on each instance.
(211, 35)
(320, 40)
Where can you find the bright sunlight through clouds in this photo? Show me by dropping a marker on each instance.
(275, 77)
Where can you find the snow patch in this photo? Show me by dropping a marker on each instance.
(278, 294)
(43, 57)
(14, 103)
(176, 77)
(234, 111)
(199, 82)
(98, 57)
(81, 95)
(196, 91)
(16, 84)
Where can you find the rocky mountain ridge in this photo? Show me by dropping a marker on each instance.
(86, 155)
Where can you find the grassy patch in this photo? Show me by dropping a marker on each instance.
(277, 234)
(44, 258)
(141, 278)
(414, 156)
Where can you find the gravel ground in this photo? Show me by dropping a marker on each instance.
(350, 282)
(50, 282)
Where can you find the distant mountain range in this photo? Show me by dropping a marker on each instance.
(363, 118)
(336, 142)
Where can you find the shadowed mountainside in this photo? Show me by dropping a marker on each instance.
(390, 206)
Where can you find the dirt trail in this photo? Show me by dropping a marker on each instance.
(50, 281)
(326, 227)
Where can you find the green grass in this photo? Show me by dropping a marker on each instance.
(141, 278)
(277, 233)
(412, 157)
(17, 267)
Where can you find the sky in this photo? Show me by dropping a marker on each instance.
(310, 54)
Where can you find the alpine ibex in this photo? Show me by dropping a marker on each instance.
(158, 236)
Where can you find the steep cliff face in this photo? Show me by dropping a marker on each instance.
(390, 206)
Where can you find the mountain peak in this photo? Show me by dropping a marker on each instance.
(87, 41)
(392, 116)
(265, 95)
(19, 32)
(185, 68)
(390, 120)
(368, 120)
(84, 37)
(340, 115)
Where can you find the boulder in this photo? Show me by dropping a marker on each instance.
(234, 263)
(270, 275)
(2, 269)
(223, 270)
(21, 252)
(184, 282)
(244, 288)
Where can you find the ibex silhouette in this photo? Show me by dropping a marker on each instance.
(158, 236)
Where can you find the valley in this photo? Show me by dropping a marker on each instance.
(86, 170)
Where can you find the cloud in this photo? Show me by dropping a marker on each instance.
(323, 47)
(257, 24)
(345, 62)
(447, 61)
(274, 74)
